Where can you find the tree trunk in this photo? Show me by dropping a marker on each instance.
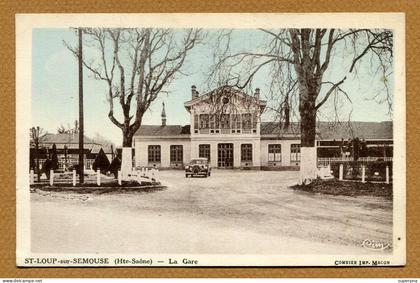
(126, 155)
(286, 114)
(308, 161)
(127, 139)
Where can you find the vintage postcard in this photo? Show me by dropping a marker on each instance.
(187, 140)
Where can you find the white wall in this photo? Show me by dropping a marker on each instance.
(141, 148)
(285, 151)
(236, 141)
(190, 149)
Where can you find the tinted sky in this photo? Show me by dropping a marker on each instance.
(55, 86)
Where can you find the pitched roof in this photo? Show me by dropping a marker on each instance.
(167, 130)
(63, 138)
(275, 128)
(71, 141)
(325, 130)
(362, 130)
(329, 131)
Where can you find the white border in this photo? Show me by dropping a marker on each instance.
(26, 22)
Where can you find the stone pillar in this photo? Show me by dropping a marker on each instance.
(363, 173)
(51, 177)
(98, 177)
(74, 177)
(119, 178)
(340, 175)
(126, 163)
(31, 180)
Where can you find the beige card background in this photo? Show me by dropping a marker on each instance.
(7, 131)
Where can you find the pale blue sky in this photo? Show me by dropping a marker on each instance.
(55, 87)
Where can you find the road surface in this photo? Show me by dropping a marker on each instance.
(231, 212)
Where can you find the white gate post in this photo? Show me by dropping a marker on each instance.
(340, 175)
(51, 177)
(157, 175)
(74, 177)
(387, 175)
(363, 173)
(31, 180)
(98, 177)
(119, 177)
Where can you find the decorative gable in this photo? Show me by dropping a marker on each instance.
(225, 100)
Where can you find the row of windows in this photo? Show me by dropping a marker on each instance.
(176, 152)
(225, 121)
(274, 152)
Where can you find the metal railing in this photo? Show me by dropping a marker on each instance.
(70, 162)
(325, 161)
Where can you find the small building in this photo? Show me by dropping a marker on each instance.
(67, 145)
(226, 128)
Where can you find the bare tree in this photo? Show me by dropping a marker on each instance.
(299, 59)
(69, 129)
(36, 134)
(62, 130)
(137, 64)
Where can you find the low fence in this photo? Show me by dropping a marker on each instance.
(377, 171)
(70, 162)
(141, 175)
(325, 161)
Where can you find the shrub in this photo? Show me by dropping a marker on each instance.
(101, 162)
(54, 158)
(47, 166)
(115, 166)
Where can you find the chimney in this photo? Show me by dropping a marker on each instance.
(194, 92)
(257, 94)
(163, 115)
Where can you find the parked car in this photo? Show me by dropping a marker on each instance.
(198, 167)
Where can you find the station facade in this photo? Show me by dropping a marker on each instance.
(226, 128)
